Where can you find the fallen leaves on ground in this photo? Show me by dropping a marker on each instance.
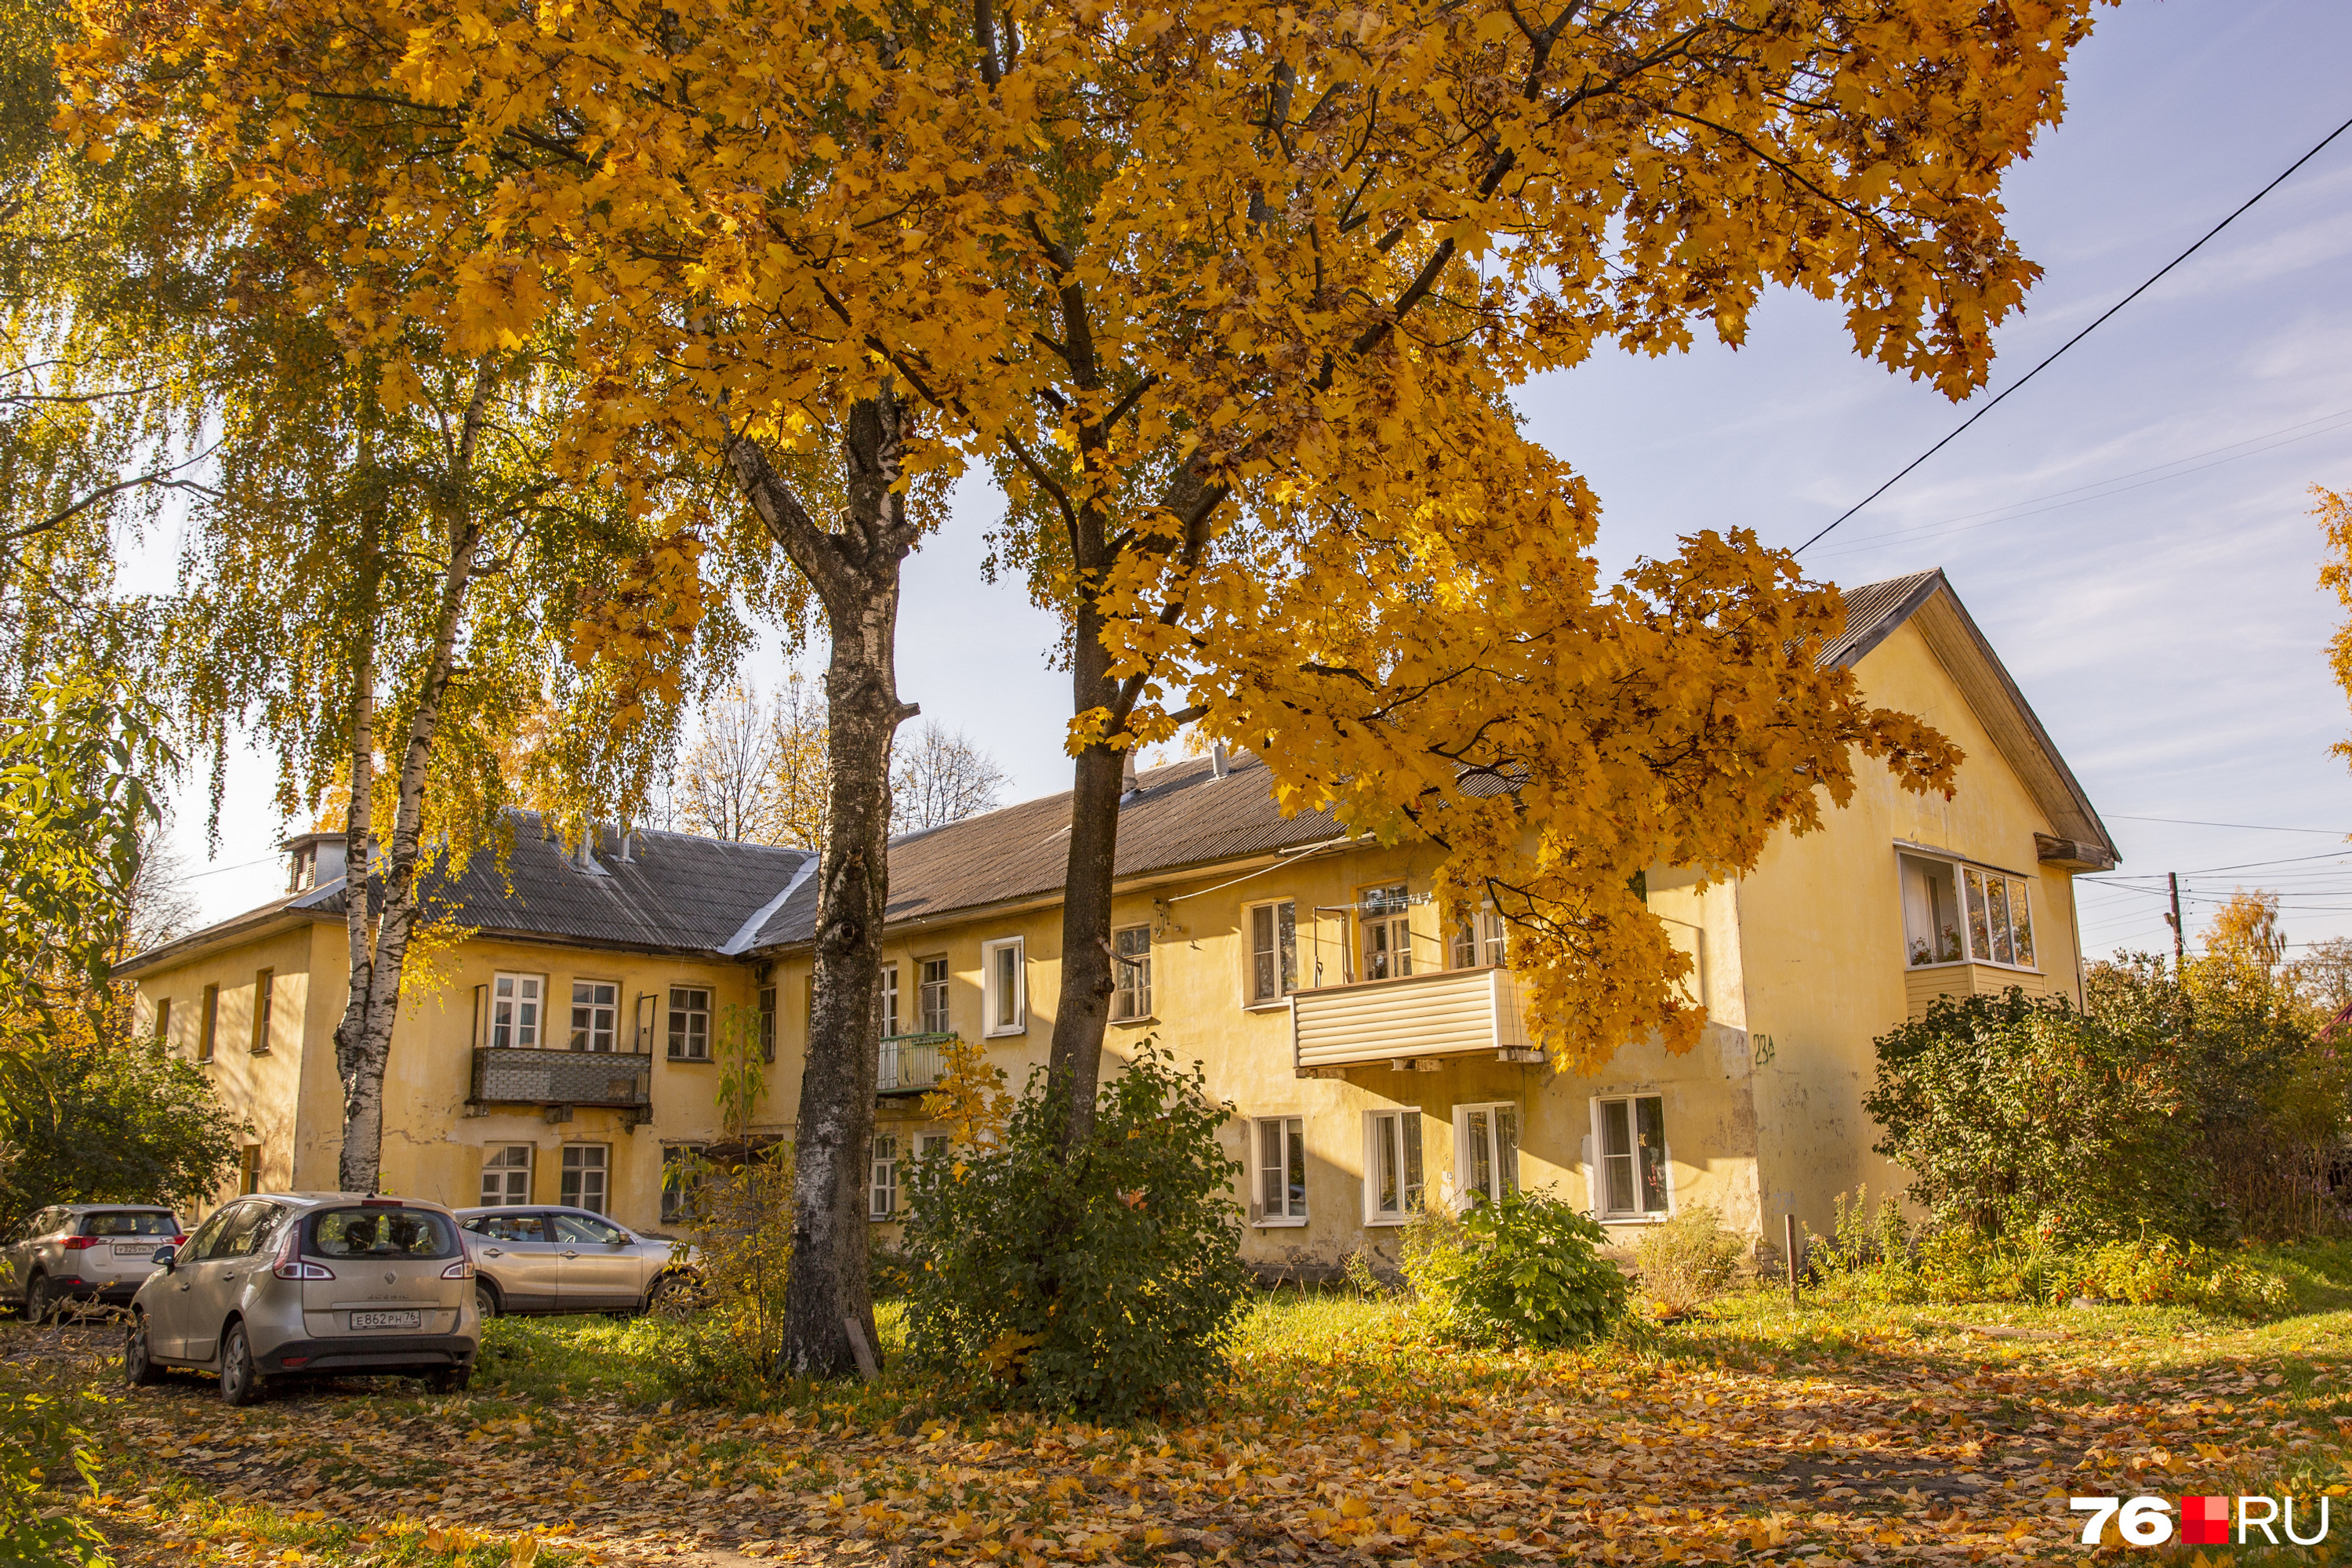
(1344, 1434)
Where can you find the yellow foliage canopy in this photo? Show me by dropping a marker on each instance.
(1235, 300)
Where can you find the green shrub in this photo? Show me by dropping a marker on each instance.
(1686, 1260)
(1957, 1267)
(42, 1447)
(1110, 1282)
(1519, 1272)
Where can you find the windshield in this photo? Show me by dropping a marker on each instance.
(136, 1223)
(382, 1233)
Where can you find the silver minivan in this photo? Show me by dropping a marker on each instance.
(296, 1284)
(83, 1252)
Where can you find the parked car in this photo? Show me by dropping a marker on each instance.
(83, 1252)
(297, 1284)
(528, 1258)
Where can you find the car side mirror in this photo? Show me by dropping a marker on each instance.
(166, 1258)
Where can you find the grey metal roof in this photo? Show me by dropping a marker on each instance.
(1874, 610)
(1180, 815)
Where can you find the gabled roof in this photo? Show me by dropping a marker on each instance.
(1925, 599)
(675, 892)
(1180, 814)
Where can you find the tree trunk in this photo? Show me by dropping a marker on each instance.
(363, 1037)
(856, 572)
(1082, 1011)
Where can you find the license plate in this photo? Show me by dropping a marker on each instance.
(383, 1319)
(134, 1249)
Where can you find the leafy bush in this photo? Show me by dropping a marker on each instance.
(1519, 1272)
(1686, 1260)
(88, 1119)
(39, 1439)
(2023, 1117)
(1110, 1281)
(1956, 1267)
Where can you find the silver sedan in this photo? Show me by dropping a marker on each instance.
(529, 1258)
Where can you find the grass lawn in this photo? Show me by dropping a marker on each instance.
(1753, 1434)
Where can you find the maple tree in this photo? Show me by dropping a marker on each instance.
(1234, 303)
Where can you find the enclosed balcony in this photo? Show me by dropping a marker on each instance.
(1415, 1021)
(911, 1064)
(519, 1076)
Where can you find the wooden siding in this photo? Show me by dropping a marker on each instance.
(1456, 1012)
(1922, 986)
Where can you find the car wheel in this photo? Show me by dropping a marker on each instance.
(138, 1364)
(486, 1300)
(671, 1297)
(42, 1301)
(450, 1380)
(241, 1379)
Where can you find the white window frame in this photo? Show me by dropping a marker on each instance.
(1394, 921)
(518, 1011)
(1481, 942)
(882, 1173)
(927, 987)
(993, 981)
(610, 1028)
(572, 1191)
(1504, 1162)
(1962, 871)
(680, 1040)
(1265, 1173)
(1410, 1151)
(1281, 993)
(889, 1000)
(1130, 976)
(1602, 1208)
(498, 1166)
(929, 1144)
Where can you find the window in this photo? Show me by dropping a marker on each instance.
(767, 1023)
(886, 1175)
(1392, 1166)
(529, 1227)
(930, 1144)
(595, 1014)
(1388, 932)
(933, 999)
(248, 1172)
(265, 992)
(1131, 966)
(505, 1175)
(1273, 952)
(1633, 1137)
(889, 1000)
(514, 1011)
(581, 1231)
(683, 1174)
(1281, 1160)
(1482, 938)
(584, 1176)
(163, 1021)
(1000, 974)
(1486, 1150)
(645, 1024)
(1953, 913)
(689, 1023)
(207, 1023)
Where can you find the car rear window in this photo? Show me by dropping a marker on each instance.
(382, 1233)
(130, 1224)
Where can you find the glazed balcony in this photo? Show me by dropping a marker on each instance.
(911, 1064)
(1416, 1022)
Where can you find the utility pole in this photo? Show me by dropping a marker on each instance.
(2179, 939)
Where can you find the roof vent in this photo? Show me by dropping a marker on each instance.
(1219, 764)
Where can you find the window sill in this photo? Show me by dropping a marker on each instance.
(1965, 962)
(1299, 1223)
(261, 1051)
(1005, 1034)
(688, 1061)
(1279, 1004)
(1635, 1218)
(1398, 1223)
(1130, 1022)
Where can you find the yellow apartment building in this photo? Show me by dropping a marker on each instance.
(1375, 1059)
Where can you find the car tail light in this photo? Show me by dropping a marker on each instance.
(292, 1265)
(461, 1269)
(381, 1204)
(80, 1243)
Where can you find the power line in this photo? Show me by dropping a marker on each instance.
(2078, 337)
(2250, 826)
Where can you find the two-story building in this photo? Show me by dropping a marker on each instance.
(1375, 1058)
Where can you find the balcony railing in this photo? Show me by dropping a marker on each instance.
(1413, 1022)
(909, 1064)
(507, 1076)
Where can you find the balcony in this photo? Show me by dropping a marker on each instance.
(509, 1076)
(909, 1064)
(1414, 1023)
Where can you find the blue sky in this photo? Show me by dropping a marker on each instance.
(2132, 531)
